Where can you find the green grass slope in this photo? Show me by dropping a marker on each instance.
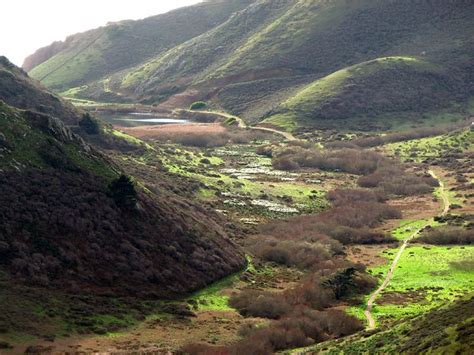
(447, 330)
(270, 42)
(94, 54)
(265, 58)
(368, 93)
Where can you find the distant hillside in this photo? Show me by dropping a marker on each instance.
(94, 54)
(70, 221)
(260, 61)
(369, 93)
(18, 90)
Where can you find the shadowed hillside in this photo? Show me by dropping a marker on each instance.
(18, 90)
(70, 220)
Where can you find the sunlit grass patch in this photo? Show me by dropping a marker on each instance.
(408, 227)
(431, 271)
(212, 298)
(432, 147)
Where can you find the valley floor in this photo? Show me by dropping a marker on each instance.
(244, 186)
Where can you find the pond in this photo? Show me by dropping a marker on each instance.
(135, 119)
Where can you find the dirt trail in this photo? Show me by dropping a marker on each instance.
(376, 293)
(241, 124)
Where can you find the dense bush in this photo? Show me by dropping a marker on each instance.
(260, 304)
(302, 317)
(339, 198)
(211, 139)
(89, 124)
(302, 254)
(303, 327)
(346, 222)
(394, 180)
(123, 192)
(198, 105)
(447, 235)
(364, 235)
(377, 171)
(265, 150)
(352, 161)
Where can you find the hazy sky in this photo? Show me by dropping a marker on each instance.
(27, 25)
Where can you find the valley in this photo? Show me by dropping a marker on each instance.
(243, 177)
(241, 181)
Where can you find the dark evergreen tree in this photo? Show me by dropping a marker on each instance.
(341, 282)
(123, 192)
(89, 124)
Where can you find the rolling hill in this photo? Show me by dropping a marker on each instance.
(295, 63)
(366, 94)
(97, 53)
(71, 221)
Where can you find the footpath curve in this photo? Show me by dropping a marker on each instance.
(241, 124)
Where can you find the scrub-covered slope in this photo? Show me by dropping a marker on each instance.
(18, 90)
(69, 220)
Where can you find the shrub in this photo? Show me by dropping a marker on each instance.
(265, 150)
(212, 139)
(301, 254)
(259, 304)
(301, 328)
(352, 161)
(447, 236)
(341, 282)
(394, 180)
(89, 124)
(285, 163)
(346, 222)
(123, 192)
(198, 105)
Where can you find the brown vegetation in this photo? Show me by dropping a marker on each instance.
(197, 135)
(352, 161)
(71, 231)
(394, 180)
(447, 235)
(377, 171)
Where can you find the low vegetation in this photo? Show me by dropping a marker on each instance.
(209, 140)
(198, 105)
(447, 235)
(388, 176)
(426, 277)
(445, 329)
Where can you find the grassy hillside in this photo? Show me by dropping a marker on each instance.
(285, 44)
(360, 95)
(444, 330)
(94, 54)
(271, 57)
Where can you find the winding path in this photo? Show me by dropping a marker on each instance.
(241, 124)
(376, 293)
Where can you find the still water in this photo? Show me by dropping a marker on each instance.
(135, 119)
